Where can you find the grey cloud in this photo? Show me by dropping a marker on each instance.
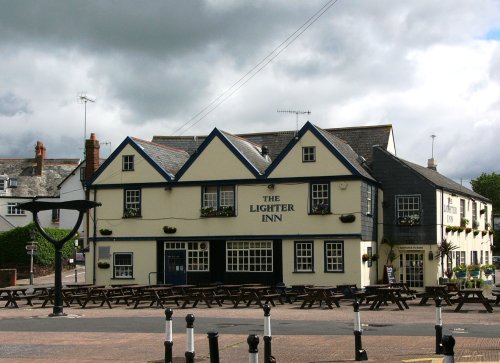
(11, 105)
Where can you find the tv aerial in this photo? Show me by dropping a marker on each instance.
(297, 113)
(82, 98)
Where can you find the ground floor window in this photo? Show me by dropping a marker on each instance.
(334, 256)
(197, 254)
(123, 265)
(411, 269)
(304, 256)
(249, 256)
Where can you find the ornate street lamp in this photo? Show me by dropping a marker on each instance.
(36, 206)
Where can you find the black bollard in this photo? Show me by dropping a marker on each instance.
(189, 339)
(448, 345)
(439, 326)
(360, 353)
(213, 344)
(253, 350)
(267, 332)
(168, 335)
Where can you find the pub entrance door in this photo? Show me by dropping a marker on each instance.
(175, 267)
(411, 268)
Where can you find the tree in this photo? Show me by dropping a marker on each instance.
(444, 251)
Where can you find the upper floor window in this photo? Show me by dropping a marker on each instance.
(128, 162)
(369, 200)
(462, 209)
(123, 267)
(475, 223)
(218, 201)
(304, 256)
(408, 209)
(12, 209)
(3, 184)
(132, 203)
(320, 198)
(55, 215)
(334, 256)
(308, 154)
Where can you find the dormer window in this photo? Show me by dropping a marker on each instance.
(308, 154)
(12, 183)
(128, 162)
(3, 184)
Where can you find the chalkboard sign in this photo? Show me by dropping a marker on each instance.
(389, 274)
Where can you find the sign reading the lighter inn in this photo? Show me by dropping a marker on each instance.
(272, 209)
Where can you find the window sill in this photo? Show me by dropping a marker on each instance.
(131, 217)
(334, 272)
(217, 216)
(16, 215)
(303, 272)
(320, 213)
(122, 278)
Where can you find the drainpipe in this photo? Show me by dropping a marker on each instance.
(94, 241)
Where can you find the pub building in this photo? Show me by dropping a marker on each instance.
(298, 207)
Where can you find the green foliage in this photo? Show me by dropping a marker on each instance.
(13, 250)
(488, 185)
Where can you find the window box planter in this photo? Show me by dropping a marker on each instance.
(222, 212)
(347, 218)
(103, 265)
(488, 269)
(105, 232)
(321, 209)
(476, 232)
(460, 229)
(474, 270)
(131, 213)
(448, 229)
(460, 271)
(491, 232)
(484, 233)
(468, 230)
(409, 220)
(169, 230)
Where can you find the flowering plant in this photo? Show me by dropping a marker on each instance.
(320, 208)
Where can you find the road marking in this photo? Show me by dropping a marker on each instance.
(430, 360)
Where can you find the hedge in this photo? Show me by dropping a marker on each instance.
(13, 247)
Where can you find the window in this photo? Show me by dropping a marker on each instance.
(249, 256)
(369, 200)
(475, 224)
(12, 183)
(334, 256)
(13, 210)
(82, 174)
(308, 154)
(128, 162)
(320, 198)
(132, 205)
(123, 265)
(459, 258)
(408, 209)
(217, 201)
(462, 210)
(55, 215)
(197, 254)
(3, 184)
(304, 256)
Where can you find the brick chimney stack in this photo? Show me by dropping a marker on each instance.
(40, 151)
(91, 156)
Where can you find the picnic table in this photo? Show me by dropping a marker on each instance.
(257, 294)
(433, 292)
(473, 296)
(13, 293)
(386, 294)
(319, 294)
(206, 294)
(158, 295)
(102, 294)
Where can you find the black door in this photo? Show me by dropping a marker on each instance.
(175, 267)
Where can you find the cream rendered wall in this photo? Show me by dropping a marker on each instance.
(143, 171)
(216, 162)
(326, 163)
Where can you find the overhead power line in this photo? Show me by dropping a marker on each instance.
(254, 71)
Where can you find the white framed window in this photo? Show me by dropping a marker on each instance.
(132, 203)
(3, 184)
(123, 267)
(13, 210)
(408, 209)
(128, 162)
(197, 254)
(334, 256)
(308, 154)
(369, 200)
(304, 256)
(320, 198)
(462, 209)
(475, 224)
(218, 201)
(249, 256)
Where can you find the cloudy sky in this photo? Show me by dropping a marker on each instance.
(155, 67)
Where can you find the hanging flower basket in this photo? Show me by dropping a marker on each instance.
(347, 218)
(106, 232)
(365, 257)
(103, 265)
(169, 230)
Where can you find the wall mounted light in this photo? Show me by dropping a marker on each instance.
(431, 255)
(270, 186)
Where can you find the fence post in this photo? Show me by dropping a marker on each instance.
(439, 326)
(448, 345)
(360, 353)
(253, 350)
(213, 345)
(189, 339)
(168, 335)
(267, 332)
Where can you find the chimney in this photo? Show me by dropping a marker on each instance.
(432, 164)
(39, 157)
(91, 156)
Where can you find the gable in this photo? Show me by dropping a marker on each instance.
(144, 171)
(216, 162)
(326, 162)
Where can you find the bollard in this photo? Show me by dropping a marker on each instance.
(439, 326)
(168, 335)
(360, 353)
(189, 339)
(213, 344)
(267, 332)
(253, 350)
(76, 275)
(448, 345)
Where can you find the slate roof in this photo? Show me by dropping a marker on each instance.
(31, 185)
(361, 139)
(249, 150)
(168, 158)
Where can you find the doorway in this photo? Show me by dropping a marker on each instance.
(175, 267)
(411, 267)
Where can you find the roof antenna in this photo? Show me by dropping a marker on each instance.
(82, 98)
(297, 113)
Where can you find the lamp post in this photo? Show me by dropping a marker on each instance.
(37, 206)
(31, 251)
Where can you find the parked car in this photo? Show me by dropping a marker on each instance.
(79, 258)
